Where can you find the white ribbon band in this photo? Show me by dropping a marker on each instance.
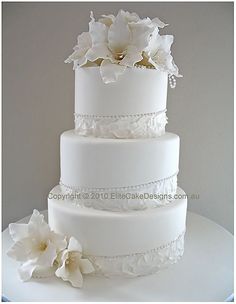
(138, 264)
(138, 197)
(121, 126)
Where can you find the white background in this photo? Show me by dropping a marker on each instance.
(38, 93)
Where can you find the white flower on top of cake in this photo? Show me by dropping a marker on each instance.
(158, 53)
(72, 265)
(118, 42)
(78, 57)
(36, 246)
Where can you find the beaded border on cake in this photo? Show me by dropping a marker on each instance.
(139, 197)
(146, 125)
(136, 187)
(138, 264)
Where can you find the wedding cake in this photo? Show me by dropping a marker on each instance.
(117, 204)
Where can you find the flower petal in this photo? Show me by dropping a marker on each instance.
(86, 266)
(72, 57)
(26, 270)
(37, 218)
(174, 69)
(97, 31)
(76, 278)
(18, 231)
(98, 51)
(166, 42)
(111, 71)
(153, 43)
(80, 50)
(58, 240)
(132, 56)
(43, 272)
(129, 17)
(63, 271)
(37, 227)
(158, 22)
(140, 34)
(150, 60)
(21, 250)
(48, 256)
(74, 245)
(160, 53)
(81, 61)
(119, 34)
(76, 56)
(107, 20)
(159, 42)
(84, 41)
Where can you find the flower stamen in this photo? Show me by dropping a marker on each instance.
(119, 56)
(42, 246)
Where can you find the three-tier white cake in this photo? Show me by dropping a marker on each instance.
(118, 191)
(117, 209)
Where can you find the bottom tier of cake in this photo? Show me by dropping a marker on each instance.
(128, 243)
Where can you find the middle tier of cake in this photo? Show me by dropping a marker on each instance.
(107, 163)
(120, 166)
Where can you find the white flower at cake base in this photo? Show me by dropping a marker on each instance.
(36, 246)
(159, 55)
(72, 265)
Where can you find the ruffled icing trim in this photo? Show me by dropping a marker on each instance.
(139, 264)
(122, 126)
(150, 195)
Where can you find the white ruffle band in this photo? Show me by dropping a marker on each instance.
(131, 265)
(139, 197)
(139, 264)
(121, 126)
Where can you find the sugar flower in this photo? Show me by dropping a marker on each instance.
(35, 245)
(78, 57)
(159, 55)
(116, 43)
(72, 265)
(120, 45)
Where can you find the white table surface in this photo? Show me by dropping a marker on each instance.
(205, 273)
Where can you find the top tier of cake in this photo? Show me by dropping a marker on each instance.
(122, 65)
(139, 91)
(132, 107)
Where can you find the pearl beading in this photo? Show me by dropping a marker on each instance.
(127, 188)
(123, 199)
(146, 125)
(172, 81)
(120, 116)
(130, 265)
(115, 257)
(142, 263)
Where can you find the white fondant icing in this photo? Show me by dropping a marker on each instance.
(119, 145)
(106, 163)
(137, 91)
(126, 126)
(104, 233)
